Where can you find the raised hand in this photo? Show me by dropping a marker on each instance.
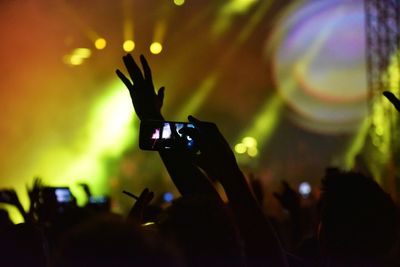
(9, 196)
(393, 99)
(146, 102)
(216, 157)
(33, 194)
(288, 198)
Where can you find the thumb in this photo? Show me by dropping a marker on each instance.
(160, 94)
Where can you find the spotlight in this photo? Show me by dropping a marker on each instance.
(156, 48)
(240, 148)
(252, 151)
(168, 197)
(304, 189)
(128, 45)
(75, 60)
(100, 43)
(249, 141)
(179, 2)
(82, 53)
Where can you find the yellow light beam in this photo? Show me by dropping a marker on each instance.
(128, 26)
(266, 121)
(199, 95)
(82, 26)
(228, 11)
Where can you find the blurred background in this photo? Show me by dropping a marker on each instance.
(287, 82)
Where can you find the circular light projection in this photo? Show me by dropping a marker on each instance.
(75, 60)
(128, 46)
(100, 43)
(168, 197)
(179, 2)
(319, 64)
(82, 53)
(249, 141)
(304, 189)
(240, 148)
(156, 48)
(252, 151)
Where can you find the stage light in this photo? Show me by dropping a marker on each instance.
(234, 8)
(240, 148)
(128, 46)
(179, 2)
(168, 197)
(75, 60)
(304, 189)
(77, 56)
(249, 141)
(100, 43)
(252, 151)
(324, 98)
(156, 48)
(263, 125)
(82, 53)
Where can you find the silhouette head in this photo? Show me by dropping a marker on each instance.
(357, 217)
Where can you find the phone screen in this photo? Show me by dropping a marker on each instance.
(166, 135)
(98, 199)
(63, 195)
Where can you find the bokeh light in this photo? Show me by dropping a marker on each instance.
(128, 46)
(179, 2)
(240, 148)
(100, 43)
(156, 48)
(319, 51)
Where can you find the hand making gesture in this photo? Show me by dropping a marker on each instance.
(146, 102)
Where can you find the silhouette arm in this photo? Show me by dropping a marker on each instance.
(147, 104)
(9, 196)
(262, 246)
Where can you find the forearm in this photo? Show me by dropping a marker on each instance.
(22, 212)
(187, 178)
(262, 245)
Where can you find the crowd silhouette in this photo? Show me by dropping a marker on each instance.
(353, 222)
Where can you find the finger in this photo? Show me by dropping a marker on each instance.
(194, 120)
(146, 69)
(144, 193)
(149, 198)
(160, 95)
(123, 78)
(133, 68)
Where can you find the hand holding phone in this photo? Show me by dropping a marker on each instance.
(168, 135)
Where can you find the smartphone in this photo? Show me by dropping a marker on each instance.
(168, 135)
(98, 200)
(61, 195)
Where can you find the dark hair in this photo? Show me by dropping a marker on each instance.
(357, 217)
(203, 228)
(108, 240)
